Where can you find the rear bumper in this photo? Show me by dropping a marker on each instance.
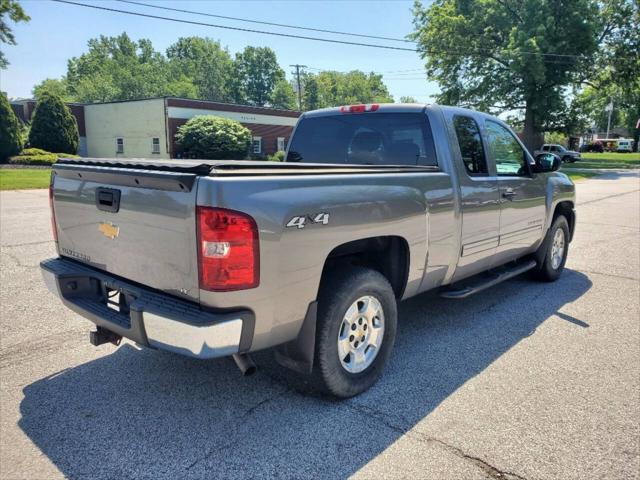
(149, 318)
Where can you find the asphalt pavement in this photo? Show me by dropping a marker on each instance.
(526, 380)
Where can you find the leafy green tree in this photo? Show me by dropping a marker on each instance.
(52, 86)
(10, 130)
(338, 88)
(256, 73)
(408, 99)
(499, 55)
(206, 63)
(617, 80)
(53, 128)
(211, 137)
(118, 68)
(310, 93)
(283, 96)
(13, 10)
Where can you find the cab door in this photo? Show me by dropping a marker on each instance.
(522, 194)
(479, 197)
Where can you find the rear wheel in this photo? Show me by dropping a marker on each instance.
(556, 247)
(356, 328)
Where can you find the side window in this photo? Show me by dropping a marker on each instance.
(257, 145)
(545, 148)
(470, 144)
(511, 159)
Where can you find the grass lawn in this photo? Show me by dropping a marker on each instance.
(606, 160)
(577, 176)
(17, 178)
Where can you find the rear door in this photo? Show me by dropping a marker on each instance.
(522, 194)
(137, 224)
(480, 199)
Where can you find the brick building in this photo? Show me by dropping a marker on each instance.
(146, 128)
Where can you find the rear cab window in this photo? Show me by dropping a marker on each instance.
(470, 143)
(364, 139)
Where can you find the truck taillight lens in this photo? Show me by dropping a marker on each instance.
(228, 251)
(54, 230)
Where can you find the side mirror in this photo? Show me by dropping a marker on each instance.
(547, 162)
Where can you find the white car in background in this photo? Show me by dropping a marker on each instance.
(624, 145)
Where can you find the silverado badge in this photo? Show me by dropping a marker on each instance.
(109, 230)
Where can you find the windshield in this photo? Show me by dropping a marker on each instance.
(364, 139)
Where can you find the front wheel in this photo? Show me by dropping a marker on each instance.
(356, 329)
(556, 247)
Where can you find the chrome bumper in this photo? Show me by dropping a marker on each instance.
(149, 318)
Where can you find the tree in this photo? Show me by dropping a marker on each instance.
(310, 93)
(10, 135)
(503, 55)
(408, 99)
(52, 86)
(206, 63)
(118, 68)
(283, 96)
(329, 89)
(14, 11)
(53, 128)
(256, 74)
(210, 137)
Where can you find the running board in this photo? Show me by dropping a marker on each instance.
(479, 284)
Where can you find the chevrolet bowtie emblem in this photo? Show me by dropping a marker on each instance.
(109, 230)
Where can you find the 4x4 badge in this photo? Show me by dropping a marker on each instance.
(301, 222)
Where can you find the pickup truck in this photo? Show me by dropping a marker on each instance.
(309, 257)
(565, 155)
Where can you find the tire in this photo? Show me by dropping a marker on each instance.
(551, 266)
(342, 290)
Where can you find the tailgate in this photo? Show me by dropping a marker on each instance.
(135, 223)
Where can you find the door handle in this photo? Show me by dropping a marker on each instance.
(509, 193)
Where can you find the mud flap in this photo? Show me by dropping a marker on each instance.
(298, 354)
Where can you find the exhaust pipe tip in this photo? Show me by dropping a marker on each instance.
(245, 364)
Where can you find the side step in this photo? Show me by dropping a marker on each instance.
(477, 284)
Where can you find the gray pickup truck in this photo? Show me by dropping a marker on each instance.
(374, 204)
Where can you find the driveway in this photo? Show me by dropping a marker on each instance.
(527, 380)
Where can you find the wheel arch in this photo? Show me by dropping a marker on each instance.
(388, 255)
(567, 209)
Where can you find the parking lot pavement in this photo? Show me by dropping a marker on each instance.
(527, 380)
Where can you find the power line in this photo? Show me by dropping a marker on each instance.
(319, 39)
(261, 22)
(150, 5)
(240, 29)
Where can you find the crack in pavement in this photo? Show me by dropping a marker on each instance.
(607, 197)
(18, 261)
(485, 466)
(613, 275)
(244, 419)
(25, 244)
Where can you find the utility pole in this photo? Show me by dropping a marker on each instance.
(297, 74)
(610, 109)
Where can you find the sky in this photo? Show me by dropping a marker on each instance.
(58, 32)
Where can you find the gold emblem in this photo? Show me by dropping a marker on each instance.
(109, 230)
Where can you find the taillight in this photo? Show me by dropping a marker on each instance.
(228, 251)
(371, 107)
(53, 212)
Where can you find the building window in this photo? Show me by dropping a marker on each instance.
(257, 144)
(281, 144)
(119, 145)
(155, 145)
